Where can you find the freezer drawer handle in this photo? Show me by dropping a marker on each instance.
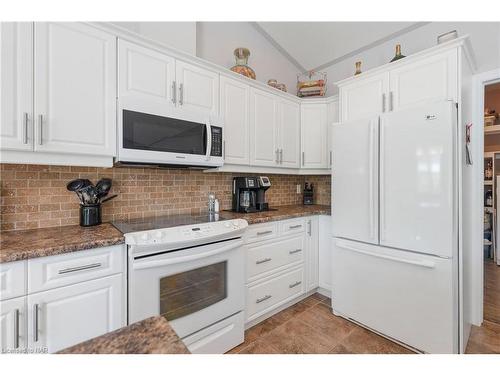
(265, 298)
(294, 251)
(80, 268)
(263, 261)
(421, 263)
(297, 283)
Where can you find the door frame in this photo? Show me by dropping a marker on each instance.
(479, 81)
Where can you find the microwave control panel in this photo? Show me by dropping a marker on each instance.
(216, 141)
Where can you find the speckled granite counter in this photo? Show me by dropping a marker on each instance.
(34, 243)
(150, 336)
(281, 213)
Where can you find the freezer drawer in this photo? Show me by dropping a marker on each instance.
(406, 296)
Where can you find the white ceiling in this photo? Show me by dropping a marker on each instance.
(312, 45)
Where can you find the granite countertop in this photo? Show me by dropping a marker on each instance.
(149, 336)
(34, 243)
(280, 213)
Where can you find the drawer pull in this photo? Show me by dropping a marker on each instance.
(264, 232)
(263, 261)
(295, 226)
(294, 251)
(16, 328)
(265, 298)
(81, 268)
(297, 283)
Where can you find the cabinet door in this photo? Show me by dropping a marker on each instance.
(75, 89)
(312, 243)
(13, 324)
(146, 74)
(314, 136)
(65, 316)
(16, 89)
(289, 134)
(332, 116)
(429, 79)
(263, 128)
(234, 111)
(364, 97)
(198, 88)
(325, 252)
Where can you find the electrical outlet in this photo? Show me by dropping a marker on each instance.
(299, 189)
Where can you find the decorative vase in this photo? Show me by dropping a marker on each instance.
(398, 54)
(358, 68)
(241, 67)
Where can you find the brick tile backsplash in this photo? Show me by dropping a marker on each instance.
(35, 196)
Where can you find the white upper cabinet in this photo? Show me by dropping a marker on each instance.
(431, 79)
(235, 99)
(264, 150)
(16, 78)
(198, 89)
(289, 134)
(332, 118)
(146, 74)
(314, 136)
(75, 89)
(364, 97)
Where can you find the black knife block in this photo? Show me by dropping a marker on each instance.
(90, 215)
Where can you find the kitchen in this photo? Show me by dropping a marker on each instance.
(240, 218)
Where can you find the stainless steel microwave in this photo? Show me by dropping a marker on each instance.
(176, 138)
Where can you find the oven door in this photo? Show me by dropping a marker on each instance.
(193, 288)
(167, 136)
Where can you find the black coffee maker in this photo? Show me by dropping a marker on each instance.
(249, 193)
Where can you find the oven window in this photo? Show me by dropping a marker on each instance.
(142, 131)
(187, 292)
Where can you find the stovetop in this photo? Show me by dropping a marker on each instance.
(162, 222)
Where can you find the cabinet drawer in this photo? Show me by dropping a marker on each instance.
(267, 295)
(263, 258)
(60, 270)
(259, 232)
(292, 226)
(12, 279)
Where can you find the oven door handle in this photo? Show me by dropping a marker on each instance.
(182, 259)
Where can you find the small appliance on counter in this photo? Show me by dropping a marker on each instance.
(249, 194)
(91, 197)
(308, 193)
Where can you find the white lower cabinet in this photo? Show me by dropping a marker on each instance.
(281, 265)
(61, 317)
(13, 325)
(325, 253)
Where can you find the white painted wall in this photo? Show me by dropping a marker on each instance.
(484, 36)
(178, 35)
(216, 42)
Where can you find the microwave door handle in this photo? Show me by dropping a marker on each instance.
(209, 140)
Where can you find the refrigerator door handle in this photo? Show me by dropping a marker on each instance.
(420, 263)
(381, 182)
(371, 185)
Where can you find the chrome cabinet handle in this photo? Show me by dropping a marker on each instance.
(265, 298)
(263, 261)
(277, 152)
(281, 156)
(309, 227)
(294, 251)
(331, 158)
(16, 328)
(80, 268)
(25, 128)
(224, 150)
(174, 92)
(303, 158)
(264, 232)
(40, 129)
(295, 226)
(383, 102)
(181, 94)
(35, 322)
(295, 284)
(391, 103)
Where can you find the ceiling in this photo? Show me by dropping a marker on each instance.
(316, 45)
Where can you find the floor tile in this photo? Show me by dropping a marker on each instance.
(362, 341)
(259, 347)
